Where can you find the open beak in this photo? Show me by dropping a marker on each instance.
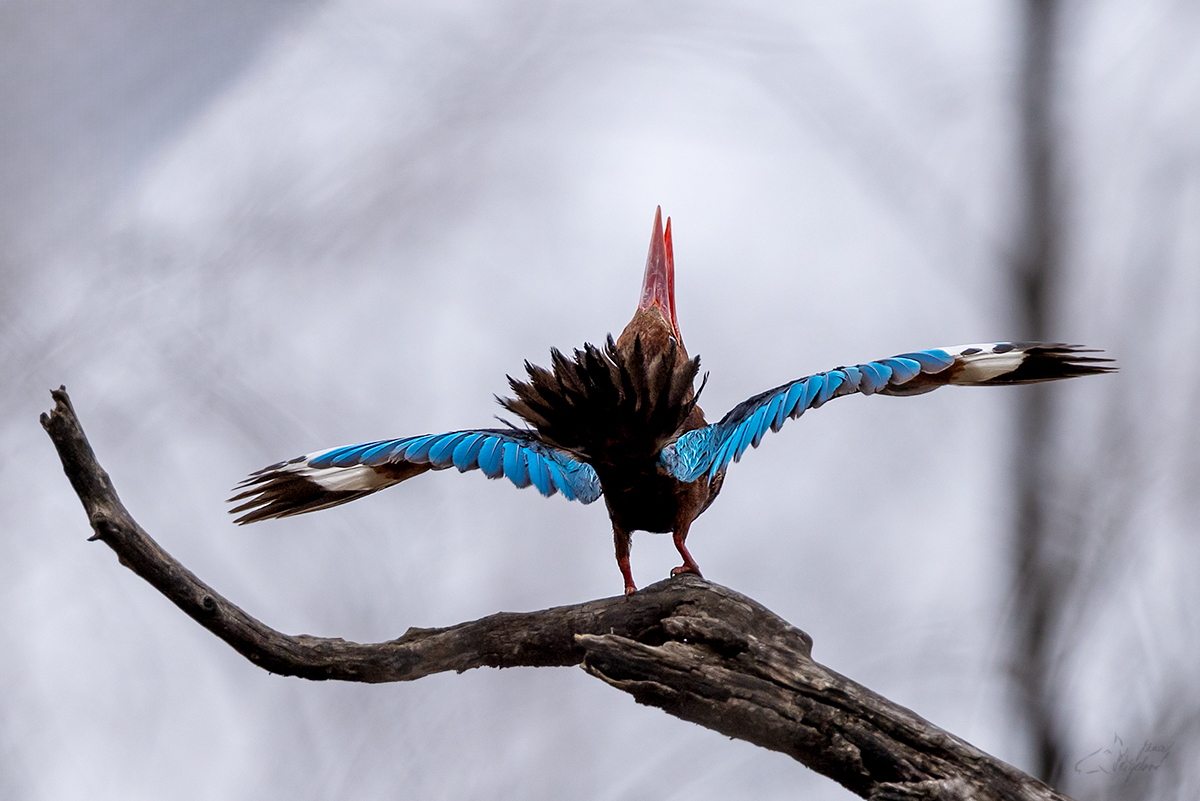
(658, 285)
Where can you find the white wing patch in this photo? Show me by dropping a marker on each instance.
(357, 478)
(980, 362)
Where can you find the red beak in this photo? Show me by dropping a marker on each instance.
(658, 285)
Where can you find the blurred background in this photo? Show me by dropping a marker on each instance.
(241, 232)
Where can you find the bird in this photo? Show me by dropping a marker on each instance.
(622, 422)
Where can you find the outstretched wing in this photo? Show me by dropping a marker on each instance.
(712, 448)
(329, 478)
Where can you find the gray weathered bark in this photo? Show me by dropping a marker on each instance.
(694, 649)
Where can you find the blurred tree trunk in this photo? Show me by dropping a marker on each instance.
(1039, 582)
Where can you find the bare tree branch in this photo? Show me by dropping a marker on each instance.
(694, 649)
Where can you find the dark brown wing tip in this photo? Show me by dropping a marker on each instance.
(272, 493)
(1055, 361)
(1070, 358)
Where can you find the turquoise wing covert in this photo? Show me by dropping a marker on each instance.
(512, 454)
(332, 477)
(711, 449)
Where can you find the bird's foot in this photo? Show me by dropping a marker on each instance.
(687, 568)
(630, 589)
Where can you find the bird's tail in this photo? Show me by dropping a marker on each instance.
(607, 405)
(1006, 363)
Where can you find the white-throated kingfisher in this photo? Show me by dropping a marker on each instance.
(622, 422)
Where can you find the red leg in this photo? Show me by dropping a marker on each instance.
(689, 564)
(621, 539)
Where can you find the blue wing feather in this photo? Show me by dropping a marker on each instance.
(795, 402)
(418, 449)
(760, 427)
(558, 480)
(903, 369)
(490, 457)
(514, 454)
(538, 473)
(724, 454)
(931, 361)
(442, 451)
(466, 452)
(781, 411)
(772, 414)
(514, 466)
(831, 381)
(381, 453)
(874, 377)
(711, 449)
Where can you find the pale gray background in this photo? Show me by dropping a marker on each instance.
(240, 232)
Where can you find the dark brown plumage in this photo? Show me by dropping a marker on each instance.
(617, 408)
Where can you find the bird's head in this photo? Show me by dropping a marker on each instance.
(655, 316)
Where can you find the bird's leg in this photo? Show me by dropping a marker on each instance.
(621, 539)
(689, 564)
